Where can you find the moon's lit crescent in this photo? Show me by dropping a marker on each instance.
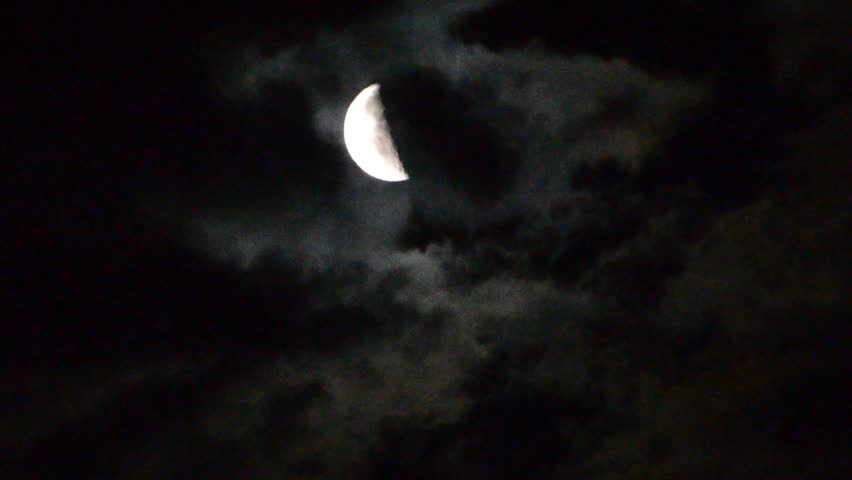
(368, 138)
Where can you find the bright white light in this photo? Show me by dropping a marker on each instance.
(368, 139)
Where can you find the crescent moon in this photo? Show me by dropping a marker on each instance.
(368, 139)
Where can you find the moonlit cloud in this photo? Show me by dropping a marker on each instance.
(467, 300)
(598, 268)
(547, 108)
(555, 114)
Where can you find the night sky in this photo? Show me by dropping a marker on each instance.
(623, 251)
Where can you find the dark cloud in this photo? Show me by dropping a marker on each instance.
(651, 35)
(616, 256)
(443, 141)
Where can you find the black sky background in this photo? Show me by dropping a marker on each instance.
(199, 283)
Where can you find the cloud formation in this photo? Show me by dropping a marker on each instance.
(579, 321)
(548, 113)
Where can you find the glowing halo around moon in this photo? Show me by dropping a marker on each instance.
(368, 139)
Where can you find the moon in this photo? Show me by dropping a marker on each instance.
(368, 139)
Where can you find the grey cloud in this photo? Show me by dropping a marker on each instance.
(437, 319)
(653, 348)
(413, 372)
(546, 109)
